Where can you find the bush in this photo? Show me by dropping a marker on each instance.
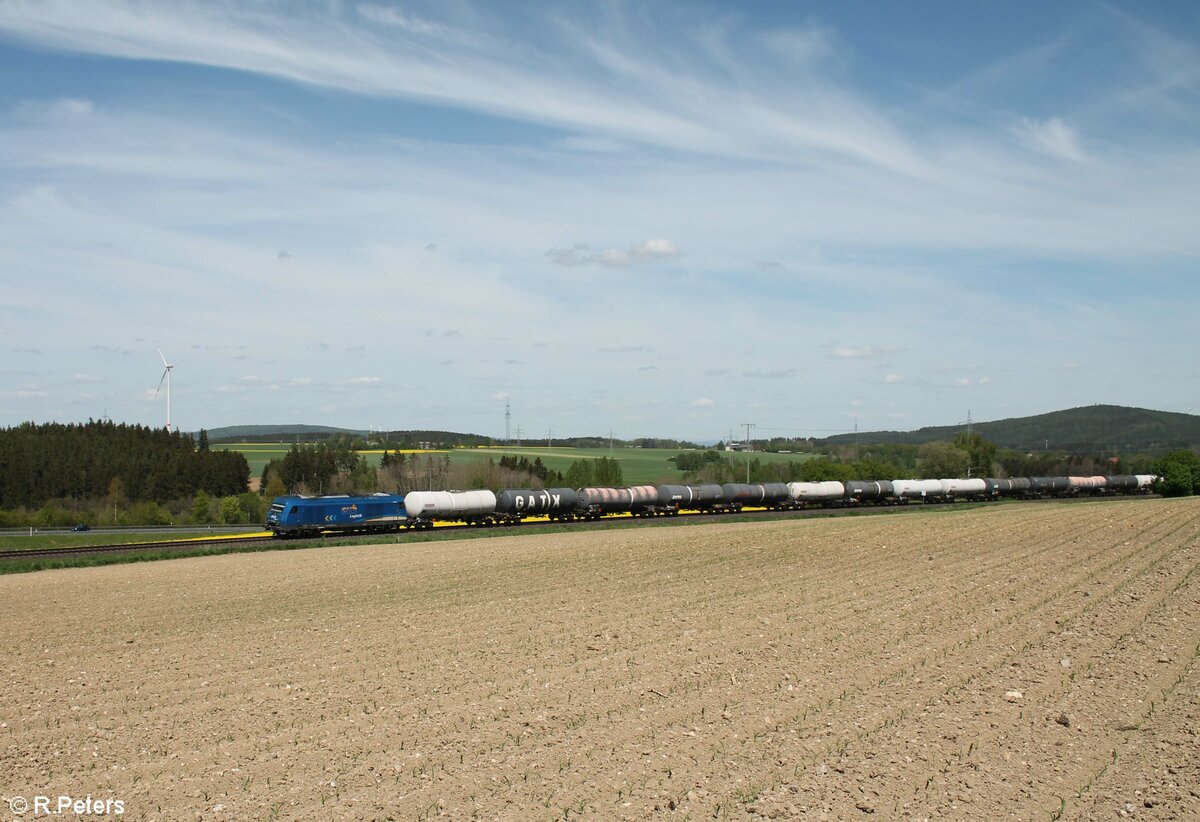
(201, 509)
(149, 513)
(231, 511)
(1178, 474)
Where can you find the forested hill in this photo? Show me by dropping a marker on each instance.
(53, 461)
(1093, 428)
(274, 433)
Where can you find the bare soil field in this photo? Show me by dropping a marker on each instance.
(1026, 662)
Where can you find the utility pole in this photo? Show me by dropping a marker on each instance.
(518, 436)
(507, 422)
(857, 452)
(610, 444)
(968, 424)
(748, 425)
(549, 437)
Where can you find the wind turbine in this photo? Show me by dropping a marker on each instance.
(165, 377)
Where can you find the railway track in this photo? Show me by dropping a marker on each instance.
(128, 547)
(254, 539)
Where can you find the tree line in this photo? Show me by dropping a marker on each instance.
(967, 455)
(333, 468)
(80, 461)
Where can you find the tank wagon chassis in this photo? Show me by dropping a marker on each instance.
(297, 516)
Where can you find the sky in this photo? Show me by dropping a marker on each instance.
(656, 219)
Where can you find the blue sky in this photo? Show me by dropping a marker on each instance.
(660, 219)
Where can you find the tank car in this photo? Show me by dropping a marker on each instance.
(809, 492)
(595, 502)
(424, 507)
(643, 500)
(973, 488)
(513, 504)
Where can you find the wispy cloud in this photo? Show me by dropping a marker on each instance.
(645, 251)
(865, 352)
(1053, 137)
(391, 16)
(769, 374)
(622, 349)
(862, 208)
(611, 87)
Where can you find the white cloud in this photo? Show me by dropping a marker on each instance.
(985, 381)
(364, 381)
(644, 251)
(858, 353)
(894, 378)
(85, 378)
(299, 382)
(654, 249)
(612, 258)
(703, 402)
(1052, 137)
(29, 393)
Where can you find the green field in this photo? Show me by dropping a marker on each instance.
(638, 465)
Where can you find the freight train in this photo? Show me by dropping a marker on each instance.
(309, 516)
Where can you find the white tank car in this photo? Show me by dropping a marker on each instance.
(973, 487)
(917, 489)
(449, 504)
(816, 491)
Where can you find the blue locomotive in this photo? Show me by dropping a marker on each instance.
(294, 516)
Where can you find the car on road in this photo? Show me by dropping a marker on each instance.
(83, 526)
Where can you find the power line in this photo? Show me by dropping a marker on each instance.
(748, 425)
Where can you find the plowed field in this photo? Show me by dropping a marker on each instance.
(1028, 662)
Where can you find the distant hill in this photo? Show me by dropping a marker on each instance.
(316, 433)
(1093, 428)
(235, 433)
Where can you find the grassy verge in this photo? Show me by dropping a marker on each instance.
(19, 542)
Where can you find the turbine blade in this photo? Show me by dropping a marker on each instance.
(160, 382)
(161, 357)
